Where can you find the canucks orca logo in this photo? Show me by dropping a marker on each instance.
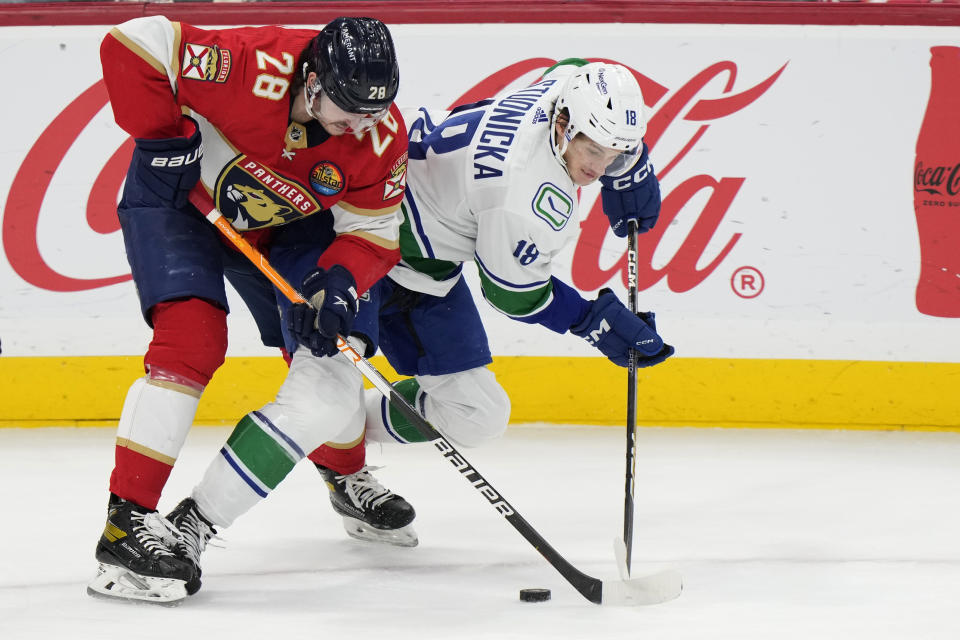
(553, 205)
(326, 178)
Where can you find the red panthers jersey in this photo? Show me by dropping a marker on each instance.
(260, 168)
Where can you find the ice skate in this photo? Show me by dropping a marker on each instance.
(136, 558)
(195, 532)
(370, 511)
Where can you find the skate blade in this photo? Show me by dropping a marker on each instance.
(121, 584)
(402, 537)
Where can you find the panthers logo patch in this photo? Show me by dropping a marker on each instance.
(252, 196)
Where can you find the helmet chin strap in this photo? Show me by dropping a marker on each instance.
(307, 101)
(309, 93)
(559, 148)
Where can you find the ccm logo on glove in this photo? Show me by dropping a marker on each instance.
(610, 327)
(635, 196)
(593, 337)
(638, 176)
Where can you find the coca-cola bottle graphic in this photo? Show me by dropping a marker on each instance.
(936, 189)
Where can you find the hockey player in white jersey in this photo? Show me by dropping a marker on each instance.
(496, 182)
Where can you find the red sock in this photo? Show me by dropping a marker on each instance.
(138, 478)
(343, 461)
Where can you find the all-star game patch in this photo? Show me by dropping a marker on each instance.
(397, 181)
(206, 62)
(326, 178)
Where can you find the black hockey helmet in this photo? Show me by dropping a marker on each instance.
(356, 63)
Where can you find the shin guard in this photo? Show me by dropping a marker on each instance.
(156, 417)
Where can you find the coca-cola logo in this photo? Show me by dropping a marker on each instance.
(670, 107)
(685, 104)
(941, 180)
(29, 187)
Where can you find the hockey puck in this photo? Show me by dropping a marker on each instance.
(534, 595)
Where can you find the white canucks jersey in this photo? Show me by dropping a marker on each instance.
(484, 184)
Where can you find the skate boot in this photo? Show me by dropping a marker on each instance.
(195, 532)
(136, 557)
(370, 511)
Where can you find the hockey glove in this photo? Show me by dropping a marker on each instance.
(164, 171)
(333, 296)
(610, 327)
(634, 196)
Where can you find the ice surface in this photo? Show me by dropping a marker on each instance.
(779, 535)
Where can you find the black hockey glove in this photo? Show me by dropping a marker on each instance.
(635, 196)
(333, 296)
(610, 327)
(162, 172)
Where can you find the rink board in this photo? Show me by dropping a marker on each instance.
(784, 268)
(88, 391)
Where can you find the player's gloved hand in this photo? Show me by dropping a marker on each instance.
(333, 296)
(164, 171)
(611, 328)
(634, 196)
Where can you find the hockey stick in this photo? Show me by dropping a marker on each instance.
(653, 589)
(631, 455)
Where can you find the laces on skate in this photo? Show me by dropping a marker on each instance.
(370, 511)
(364, 489)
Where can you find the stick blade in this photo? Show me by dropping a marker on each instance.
(656, 588)
(653, 589)
(620, 555)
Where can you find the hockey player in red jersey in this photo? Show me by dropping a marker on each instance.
(293, 135)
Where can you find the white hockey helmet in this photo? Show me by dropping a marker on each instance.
(603, 102)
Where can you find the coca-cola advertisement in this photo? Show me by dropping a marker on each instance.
(786, 230)
(936, 189)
